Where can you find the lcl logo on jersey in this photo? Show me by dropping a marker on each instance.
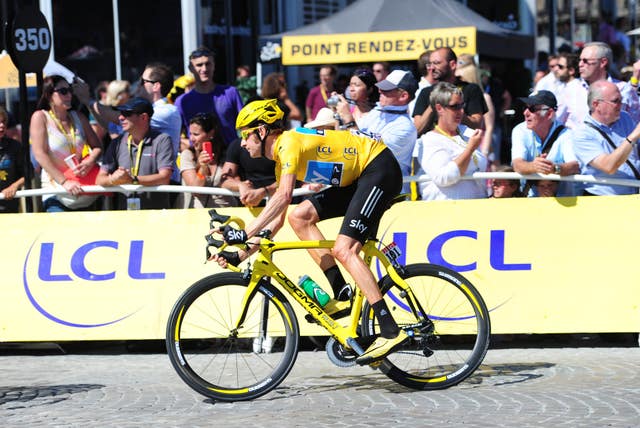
(324, 152)
(350, 153)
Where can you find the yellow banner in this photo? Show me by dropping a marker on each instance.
(542, 265)
(377, 46)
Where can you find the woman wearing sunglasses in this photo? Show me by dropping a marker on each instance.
(450, 150)
(58, 137)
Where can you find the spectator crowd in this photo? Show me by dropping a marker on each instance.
(579, 119)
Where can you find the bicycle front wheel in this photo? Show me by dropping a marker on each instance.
(451, 330)
(222, 362)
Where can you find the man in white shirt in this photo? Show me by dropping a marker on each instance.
(550, 81)
(567, 72)
(595, 60)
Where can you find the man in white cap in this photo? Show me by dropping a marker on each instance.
(390, 119)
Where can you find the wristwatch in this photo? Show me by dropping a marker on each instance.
(557, 169)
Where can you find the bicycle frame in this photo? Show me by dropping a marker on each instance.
(264, 266)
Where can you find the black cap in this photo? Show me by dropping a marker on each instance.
(137, 105)
(545, 98)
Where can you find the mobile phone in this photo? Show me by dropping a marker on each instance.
(206, 146)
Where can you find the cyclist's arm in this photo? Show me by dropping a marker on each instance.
(272, 216)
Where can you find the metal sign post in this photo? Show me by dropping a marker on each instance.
(29, 44)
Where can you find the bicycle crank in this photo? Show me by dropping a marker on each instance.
(338, 355)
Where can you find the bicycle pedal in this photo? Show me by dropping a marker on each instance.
(376, 364)
(365, 342)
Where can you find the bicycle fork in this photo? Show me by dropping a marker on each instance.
(424, 326)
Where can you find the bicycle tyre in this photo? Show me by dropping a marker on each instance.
(222, 365)
(461, 328)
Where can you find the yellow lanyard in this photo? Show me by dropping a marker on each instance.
(136, 167)
(71, 136)
(323, 93)
(474, 156)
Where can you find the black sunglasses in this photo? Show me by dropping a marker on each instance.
(143, 81)
(127, 113)
(459, 106)
(534, 109)
(65, 90)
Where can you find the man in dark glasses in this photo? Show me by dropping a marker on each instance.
(140, 155)
(155, 83)
(606, 143)
(208, 96)
(595, 61)
(542, 145)
(568, 73)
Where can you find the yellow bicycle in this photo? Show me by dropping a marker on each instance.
(234, 336)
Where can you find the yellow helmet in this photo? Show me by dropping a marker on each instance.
(260, 111)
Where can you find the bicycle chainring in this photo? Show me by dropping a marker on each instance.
(338, 355)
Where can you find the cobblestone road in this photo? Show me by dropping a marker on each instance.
(594, 387)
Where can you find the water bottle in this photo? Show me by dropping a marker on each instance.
(313, 290)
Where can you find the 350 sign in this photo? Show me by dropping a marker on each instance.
(32, 39)
(29, 40)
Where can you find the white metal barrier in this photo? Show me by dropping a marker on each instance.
(131, 188)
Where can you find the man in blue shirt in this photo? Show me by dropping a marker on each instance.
(208, 96)
(541, 144)
(605, 144)
(156, 82)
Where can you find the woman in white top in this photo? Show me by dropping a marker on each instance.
(56, 133)
(447, 153)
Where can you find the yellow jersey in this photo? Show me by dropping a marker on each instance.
(329, 157)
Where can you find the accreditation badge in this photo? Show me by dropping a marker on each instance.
(133, 204)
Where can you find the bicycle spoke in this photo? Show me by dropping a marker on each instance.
(216, 359)
(451, 350)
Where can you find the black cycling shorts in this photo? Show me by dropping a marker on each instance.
(363, 202)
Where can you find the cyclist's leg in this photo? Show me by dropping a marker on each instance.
(303, 220)
(347, 251)
(379, 183)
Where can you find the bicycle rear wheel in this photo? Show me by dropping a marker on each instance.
(449, 343)
(227, 364)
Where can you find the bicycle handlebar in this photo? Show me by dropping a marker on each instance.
(218, 221)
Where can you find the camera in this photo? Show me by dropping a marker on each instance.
(333, 101)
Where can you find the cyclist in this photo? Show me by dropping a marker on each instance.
(364, 176)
